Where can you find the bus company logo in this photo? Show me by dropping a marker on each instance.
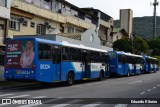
(6, 101)
(44, 66)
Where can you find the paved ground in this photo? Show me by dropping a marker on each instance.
(91, 93)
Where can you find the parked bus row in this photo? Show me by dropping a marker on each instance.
(52, 61)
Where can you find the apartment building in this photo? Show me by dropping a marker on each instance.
(118, 33)
(104, 26)
(30, 17)
(4, 17)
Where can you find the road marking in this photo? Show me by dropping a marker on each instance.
(149, 90)
(135, 82)
(93, 105)
(158, 85)
(6, 95)
(121, 105)
(154, 87)
(143, 92)
(18, 96)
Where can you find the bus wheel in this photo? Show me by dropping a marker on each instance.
(70, 79)
(100, 76)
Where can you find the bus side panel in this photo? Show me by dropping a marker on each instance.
(76, 67)
(131, 69)
(121, 69)
(113, 67)
(138, 68)
(95, 69)
(46, 71)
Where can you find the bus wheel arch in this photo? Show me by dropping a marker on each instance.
(70, 78)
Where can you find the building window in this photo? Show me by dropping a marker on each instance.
(25, 23)
(29, 1)
(2, 26)
(3, 3)
(41, 29)
(117, 38)
(46, 4)
(70, 29)
(14, 24)
(32, 24)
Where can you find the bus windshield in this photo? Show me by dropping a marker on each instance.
(19, 53)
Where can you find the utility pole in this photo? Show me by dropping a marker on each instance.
(155, 4)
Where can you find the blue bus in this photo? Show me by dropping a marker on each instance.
(122, 63)
(151, 64)
(52, 61)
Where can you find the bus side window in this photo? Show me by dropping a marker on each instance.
(65, 53)
(44, 51)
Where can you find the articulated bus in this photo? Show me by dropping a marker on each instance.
(122, 63)
(52, 61)
(151, 64)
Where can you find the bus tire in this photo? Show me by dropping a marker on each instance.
(70, 79)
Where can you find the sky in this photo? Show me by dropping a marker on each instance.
(140, 8)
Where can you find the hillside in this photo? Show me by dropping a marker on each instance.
(143, 26)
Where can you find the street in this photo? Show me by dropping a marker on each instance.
(140, 86)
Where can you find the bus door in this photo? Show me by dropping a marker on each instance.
(86, 64)
(106, 63)
(121, 64)
(56, 53)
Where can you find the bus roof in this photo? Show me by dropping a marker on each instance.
(63, 43)
(129, 54)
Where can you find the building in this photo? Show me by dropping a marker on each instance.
(118, 34)
(104, 26)
(126, 17)
(30, 17)
(4, 17)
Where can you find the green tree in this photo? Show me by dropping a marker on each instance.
(140, 45)
(123, 45)
(154, 46)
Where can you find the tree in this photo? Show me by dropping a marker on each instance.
(154, 45)
(140, 45)
(123, 45)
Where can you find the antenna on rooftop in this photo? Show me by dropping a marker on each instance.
(155, 4)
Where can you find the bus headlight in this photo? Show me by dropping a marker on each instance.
(6, 72)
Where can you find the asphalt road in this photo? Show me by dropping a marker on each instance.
(90, 93)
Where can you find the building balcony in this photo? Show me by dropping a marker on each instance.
(105, 24)
(41, 12)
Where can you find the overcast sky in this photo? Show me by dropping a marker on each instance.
(111, 7)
